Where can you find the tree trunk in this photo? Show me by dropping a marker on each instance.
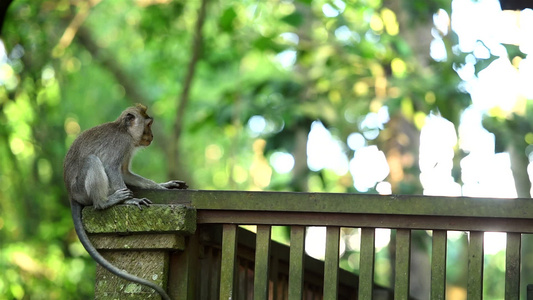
(519, 163)
(174, 156)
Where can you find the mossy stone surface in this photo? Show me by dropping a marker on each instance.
(160, 218)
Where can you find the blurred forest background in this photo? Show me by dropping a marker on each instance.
(351, 96)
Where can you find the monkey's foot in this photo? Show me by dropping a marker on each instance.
(175, 184)
(138, 202)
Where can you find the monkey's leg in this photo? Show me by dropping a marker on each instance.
(96, 185)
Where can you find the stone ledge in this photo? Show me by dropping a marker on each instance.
(127, 219)
(156, 241)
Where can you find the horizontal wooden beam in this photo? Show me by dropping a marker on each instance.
(365, 221)
(346, 203)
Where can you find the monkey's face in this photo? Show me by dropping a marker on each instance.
(138, 124)
(147, 136)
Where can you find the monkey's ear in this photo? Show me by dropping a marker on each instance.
(129, 119)
(142, 109)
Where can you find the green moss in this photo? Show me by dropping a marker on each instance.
(131, 219)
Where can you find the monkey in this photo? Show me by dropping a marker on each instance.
(97, 172)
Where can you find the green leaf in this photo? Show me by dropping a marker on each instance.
(226, 20)
(295, 19)
(483, 63)
(307, 2)
(514, 51)
(266, 43)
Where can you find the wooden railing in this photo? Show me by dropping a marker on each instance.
(251, 268)
(221, 261)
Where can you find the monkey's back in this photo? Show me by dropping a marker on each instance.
(109, 142)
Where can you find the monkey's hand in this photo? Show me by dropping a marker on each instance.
(138, 202)
(174, 184)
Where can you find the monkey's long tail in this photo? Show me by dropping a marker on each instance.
(84, 239)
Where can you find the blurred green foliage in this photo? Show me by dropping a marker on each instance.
(71, 65)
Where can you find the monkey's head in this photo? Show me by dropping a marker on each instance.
(138, 124)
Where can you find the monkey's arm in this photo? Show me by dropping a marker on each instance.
(132, 179)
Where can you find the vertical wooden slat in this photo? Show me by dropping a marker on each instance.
(242, 280)
(248, 285)
(512, 266)
(403, 260)
(262, 259)
(366, 263)
(331, 263)
(214, 285)
(228, 264)
(296, 262)
(438, 265)
(475, 266)
(274, 276)
(282, 288)
(205, 292)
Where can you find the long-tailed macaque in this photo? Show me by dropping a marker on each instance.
(97, 172)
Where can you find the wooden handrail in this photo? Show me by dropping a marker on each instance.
(411, 205)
